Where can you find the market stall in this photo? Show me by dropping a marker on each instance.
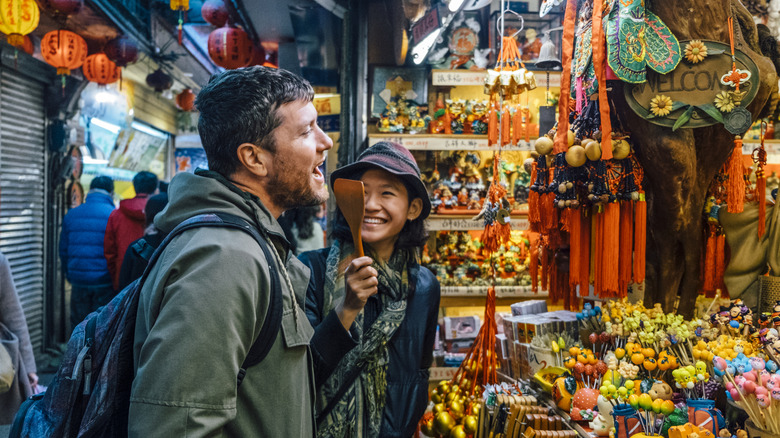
(608, 170)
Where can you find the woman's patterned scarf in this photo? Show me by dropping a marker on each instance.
(362, 405)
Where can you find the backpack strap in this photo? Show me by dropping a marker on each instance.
(273, 318)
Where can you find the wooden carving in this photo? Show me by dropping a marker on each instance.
(679, 165)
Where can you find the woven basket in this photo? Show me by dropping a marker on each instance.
(768, 292)
(755, 432)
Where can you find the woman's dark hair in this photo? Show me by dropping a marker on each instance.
(412, 235)
(302, 219)
(241, 106)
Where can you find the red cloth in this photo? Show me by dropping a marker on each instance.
(125, 225)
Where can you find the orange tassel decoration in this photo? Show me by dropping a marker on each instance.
(611, 250)
(447, 122)
(598, 278)
(517, 126)
(534, 205)
(708, 277)
(506, 119)
(736, 183)
(545, 262)
(640, 238)
(626, 244)
(492, 124)
(575, 249)
(720, 262)
(499, 230)
(585, 250)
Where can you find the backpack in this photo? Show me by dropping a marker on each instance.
(90, 394)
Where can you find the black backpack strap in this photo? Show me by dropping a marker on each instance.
(273, 318)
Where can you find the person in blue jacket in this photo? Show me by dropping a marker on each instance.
(386, 301)
(81, 250)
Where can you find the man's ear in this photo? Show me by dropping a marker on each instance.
(254, 158)
(415, 209)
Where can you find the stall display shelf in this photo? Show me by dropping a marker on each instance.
(445, 142)
(501, 292)
(438, 222)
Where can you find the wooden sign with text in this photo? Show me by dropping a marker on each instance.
(692, 88)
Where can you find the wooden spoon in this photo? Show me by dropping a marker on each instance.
(350, 199)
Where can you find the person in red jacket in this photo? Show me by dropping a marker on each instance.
(126, 224)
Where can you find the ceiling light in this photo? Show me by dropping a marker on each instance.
(421, 49)
(455, 5)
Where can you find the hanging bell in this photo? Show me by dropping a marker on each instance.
(548, 60)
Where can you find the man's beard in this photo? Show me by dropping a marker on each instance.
(289, 191)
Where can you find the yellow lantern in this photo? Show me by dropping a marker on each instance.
(17, 19)
(181, 6)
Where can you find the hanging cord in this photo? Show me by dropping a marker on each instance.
(759, 158)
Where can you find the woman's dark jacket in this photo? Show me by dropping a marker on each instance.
(411, 348)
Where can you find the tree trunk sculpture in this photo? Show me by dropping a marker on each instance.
(680, 165)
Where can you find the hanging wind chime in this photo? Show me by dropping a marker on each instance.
(182, 6)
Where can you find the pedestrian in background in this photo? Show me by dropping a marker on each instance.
(81, 250)
(15, 337)
(139, 252)
(127, 223)
(302, 229)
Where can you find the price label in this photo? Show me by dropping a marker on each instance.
(442, 373)
(458, 77)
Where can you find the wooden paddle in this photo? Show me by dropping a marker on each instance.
(350, 199)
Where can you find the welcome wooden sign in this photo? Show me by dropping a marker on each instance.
(694, 94)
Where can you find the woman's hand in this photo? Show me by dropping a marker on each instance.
(361, 282)
(33, 380)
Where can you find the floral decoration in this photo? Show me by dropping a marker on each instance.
(724, 102)
(661, 105)
(695, 51)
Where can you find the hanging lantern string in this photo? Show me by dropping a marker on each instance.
(733, 58)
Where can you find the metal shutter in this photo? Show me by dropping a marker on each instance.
(22, 185)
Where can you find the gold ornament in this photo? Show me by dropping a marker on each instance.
(661, 105)
(695, 51)
(724, 102)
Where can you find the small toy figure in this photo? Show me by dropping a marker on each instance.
(463, 197)
(456, 109)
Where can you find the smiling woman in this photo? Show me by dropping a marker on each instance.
(386, 300)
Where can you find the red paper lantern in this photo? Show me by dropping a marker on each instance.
(98, 68)
(28, 46)
(258, 55)
(214, 12)
(230, 47)
(185, 100)
(159, 80)
(122, 51)
(17, 19)
(63, 49)
(63, 8)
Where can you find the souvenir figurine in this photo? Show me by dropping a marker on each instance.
(456, 109)
(479, 117)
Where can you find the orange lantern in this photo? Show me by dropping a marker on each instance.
(230, 47)
(98, 68)
(17, 19)
(185, 100)
(181, 6)
(63, 49)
